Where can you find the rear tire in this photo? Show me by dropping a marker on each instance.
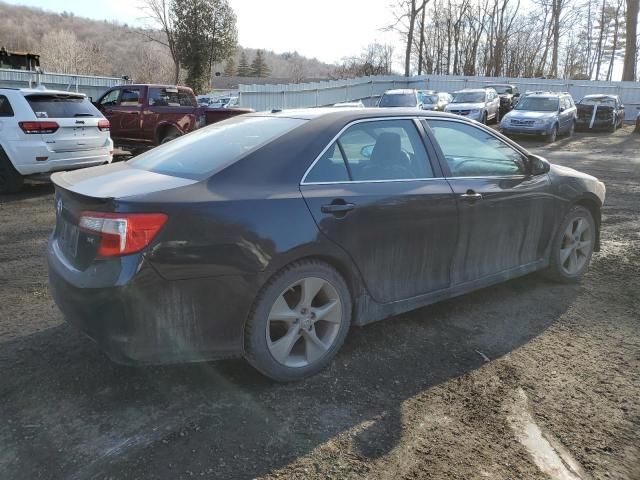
(298, 322)
(10, 180)
(572, 130)
(484, 118)
(572, 247)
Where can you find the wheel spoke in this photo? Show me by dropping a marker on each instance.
(310, 287)
(573, 262)
(581, 226)
(314, 347)
(327, 312)
(281, 348)
(584, 247)
(564, 254)
(282, 312)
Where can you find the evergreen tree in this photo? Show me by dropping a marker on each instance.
(230, 68)
(243, 67)
(259, 67)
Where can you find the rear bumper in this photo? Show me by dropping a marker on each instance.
(141, 318)
(24, 156)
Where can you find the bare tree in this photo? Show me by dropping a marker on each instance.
(161, 14)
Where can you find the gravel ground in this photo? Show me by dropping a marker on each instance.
(475, 387)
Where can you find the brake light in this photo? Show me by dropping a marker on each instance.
(122, 233)
(104, 125)
(39, 127)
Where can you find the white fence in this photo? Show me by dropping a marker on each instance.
(369, 89)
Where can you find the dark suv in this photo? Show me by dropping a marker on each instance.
(509, 96)
(547, 114)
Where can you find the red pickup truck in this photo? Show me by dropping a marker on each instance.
(143, 116)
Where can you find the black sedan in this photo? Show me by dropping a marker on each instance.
(268, 235)
(600, 112)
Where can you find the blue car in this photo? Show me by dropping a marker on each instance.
(546, 114)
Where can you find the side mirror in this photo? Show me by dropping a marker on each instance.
(538, 165)
(366, 151)
(562, 109)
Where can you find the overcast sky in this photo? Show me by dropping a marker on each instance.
(327, 29)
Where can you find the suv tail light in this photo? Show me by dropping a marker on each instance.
(39, 127)
(104, 125)
(122, 233)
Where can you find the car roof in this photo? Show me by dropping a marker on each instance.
(600, 95)
(152, 85)
(547, 94)
(400, 91)
(474, 90)
(348, 115)
(44, 91)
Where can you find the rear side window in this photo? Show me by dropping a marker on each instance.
(61, 106)
(130, 97)
(163, 97)
(210, 149)
(5, 107)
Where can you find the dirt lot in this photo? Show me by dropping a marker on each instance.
(410, 397)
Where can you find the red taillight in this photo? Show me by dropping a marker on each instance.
(39, 127)
(122, 233)
(104, 125)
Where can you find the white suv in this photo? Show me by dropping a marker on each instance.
(43, 131)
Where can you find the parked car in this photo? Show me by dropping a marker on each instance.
(404, 98)
(546, 114)
(436, 101)
(143, 116)
(481, 104)
(357, 104)
(268, 235)
(508, 94)
(225, 102)
(422, 94)
(600, 112)
(43, 131)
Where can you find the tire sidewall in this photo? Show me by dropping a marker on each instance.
(555, 267)
(256, 350)
(13, 180)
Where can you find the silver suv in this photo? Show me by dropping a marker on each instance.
(547, 114)
(481, 104)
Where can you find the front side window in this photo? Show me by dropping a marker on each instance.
(110, 98)
(473, 152)
(61, 106)
(374, 151)
(208, 150)
(5, 107)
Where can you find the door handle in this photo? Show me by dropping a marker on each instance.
(337, 208)
(471, 196)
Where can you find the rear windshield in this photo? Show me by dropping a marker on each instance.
(60, 106)
(210, 149)
(398, 100)
(538, 104)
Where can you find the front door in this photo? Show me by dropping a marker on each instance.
(506, 216)
(375, 192)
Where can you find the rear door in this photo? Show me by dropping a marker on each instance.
(376, 193)
(171, 106)
(506, 216)
(77, 121)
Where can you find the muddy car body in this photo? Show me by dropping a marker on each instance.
(328, 218)
(600, 112)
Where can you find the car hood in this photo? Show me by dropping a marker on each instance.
(530, 115)
(118, 180)
(465, 106)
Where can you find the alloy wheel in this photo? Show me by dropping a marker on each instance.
(576, 246)
(304, 322)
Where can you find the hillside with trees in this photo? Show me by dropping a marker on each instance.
(76, 45)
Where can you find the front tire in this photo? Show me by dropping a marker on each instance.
(10, 180)
(573, 246)
(553, 135)
(298, 322)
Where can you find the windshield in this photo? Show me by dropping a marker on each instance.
(608, 101)
(60, 106)
(502, 88)
(210, 149)
(430, 99)
(468, 97)
(538, 104)
(398, 100)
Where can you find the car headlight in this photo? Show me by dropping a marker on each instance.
(541, 122)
